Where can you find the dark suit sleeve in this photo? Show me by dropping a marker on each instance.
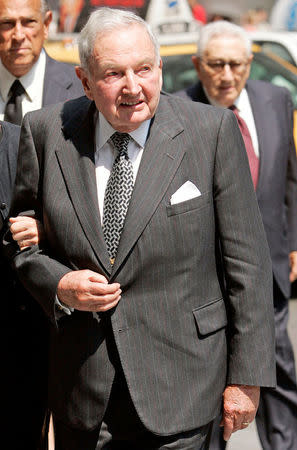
(246, 262)
(291, 185)
(33, 260)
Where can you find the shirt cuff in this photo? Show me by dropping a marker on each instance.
(63, 308)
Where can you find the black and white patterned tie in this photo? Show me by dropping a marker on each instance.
(117, 194)
(13, 110)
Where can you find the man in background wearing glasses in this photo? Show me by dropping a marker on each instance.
(265, 117)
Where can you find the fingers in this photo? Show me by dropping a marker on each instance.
(234, 423)
(293, 276)
(86, 290)
(240, 406)
(26, 231)
(293, 265)
(228, 427)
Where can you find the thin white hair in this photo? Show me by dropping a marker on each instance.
(44, 7)
(222, 28)
(104, 20)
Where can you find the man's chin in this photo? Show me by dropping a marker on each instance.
(19, 66)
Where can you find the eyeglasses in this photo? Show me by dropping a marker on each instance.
(219, 65)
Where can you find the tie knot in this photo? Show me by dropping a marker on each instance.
(121, 141)
(235, 111)
(16, 89)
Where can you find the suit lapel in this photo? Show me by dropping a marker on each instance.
(161, 158)
(76, 158)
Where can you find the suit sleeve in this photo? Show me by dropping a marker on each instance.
(246, 263)
(291, 185)
(27, 197)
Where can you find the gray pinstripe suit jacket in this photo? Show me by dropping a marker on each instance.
(180, 334)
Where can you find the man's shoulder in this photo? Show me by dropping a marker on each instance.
(65, 112)
(188, 111)
(260, 88)
(179, 100)
(63, 75)
(192, 92)
(59, 65)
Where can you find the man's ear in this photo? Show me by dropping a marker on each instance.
(46, 23)
(248, 68)
(196, 63)
(161, 74)
(84, 78)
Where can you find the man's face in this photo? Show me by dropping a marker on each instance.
(125, 79)
(22, 33)
(223, 83)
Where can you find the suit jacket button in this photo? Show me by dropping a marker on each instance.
(2, 205)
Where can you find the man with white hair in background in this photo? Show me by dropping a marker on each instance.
(265, 117)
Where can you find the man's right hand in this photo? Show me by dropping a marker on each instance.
(86, 290)
(26, 231)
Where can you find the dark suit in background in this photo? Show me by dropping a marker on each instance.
(23, 329)
(60, 82)
(276, 192)
(24, 325)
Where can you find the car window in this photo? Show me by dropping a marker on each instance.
(265, 69)
(276, 48)
(178, 72)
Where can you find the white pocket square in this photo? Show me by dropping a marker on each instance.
(187, 191)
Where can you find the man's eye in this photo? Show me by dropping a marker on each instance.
(6, 24)
(217, 65)
(28, 22)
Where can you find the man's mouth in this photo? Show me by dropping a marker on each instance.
(227, 87)
(18, 49)
(134, 103)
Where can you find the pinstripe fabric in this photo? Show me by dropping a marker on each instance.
(179, 334)
(277, 197)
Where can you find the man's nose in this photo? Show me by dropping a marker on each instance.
(227, 72)
(18, 31)
(132, 86)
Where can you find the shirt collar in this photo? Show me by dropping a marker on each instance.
(242, 100)
(104, 131)
(29, 80)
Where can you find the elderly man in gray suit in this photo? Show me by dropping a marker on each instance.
(155, 271)
(266, 111)
(29, 78)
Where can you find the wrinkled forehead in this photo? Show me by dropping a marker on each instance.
(127, 33)
(20, 8)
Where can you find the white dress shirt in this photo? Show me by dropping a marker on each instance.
(245, 111)
(105, 153)
(32, 83)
